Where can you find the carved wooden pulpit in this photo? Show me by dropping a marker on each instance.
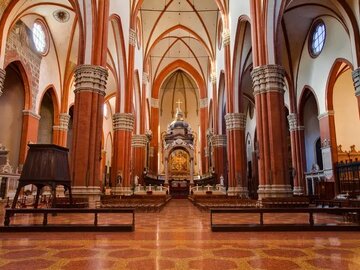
(45, 165)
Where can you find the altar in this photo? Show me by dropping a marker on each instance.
(179, 151)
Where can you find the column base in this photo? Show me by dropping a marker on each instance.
(298, 191)
(274, 191)
(91, 193)
(242, 192)
(123, 191)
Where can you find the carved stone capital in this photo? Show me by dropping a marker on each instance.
(293, 121)
(226, 37)
(203, 103)
(91, 79)
(145, 78)
(356, 79)
(235, 121)
(64, 119)
(325, 114)
(268, 78)
(139, 140)
(154, 102)
(32, 114)
(132, 37)
(218, 140)
(2, 80)
(123, 121)
(213, 77)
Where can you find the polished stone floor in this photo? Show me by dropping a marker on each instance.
(179, 237)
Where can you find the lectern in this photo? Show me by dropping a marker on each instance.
(45, 165)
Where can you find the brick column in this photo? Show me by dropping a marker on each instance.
(203, 127)
(235, 126)
(123, 125)
(356, 79)
(90, 86)
(297, 153)
(268, 83)
(2, 79)
(138, 144)
(154, 145)
(60, 131)
(29, 133)
(218, 143)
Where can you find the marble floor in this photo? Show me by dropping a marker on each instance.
(179, 237)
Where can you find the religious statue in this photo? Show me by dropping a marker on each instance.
(221, 180)
(119, 178)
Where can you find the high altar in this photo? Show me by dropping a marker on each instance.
(179, 150)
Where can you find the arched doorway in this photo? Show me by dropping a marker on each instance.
(46, 123)
(11, 111)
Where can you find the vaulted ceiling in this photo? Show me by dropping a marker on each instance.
(179, 29)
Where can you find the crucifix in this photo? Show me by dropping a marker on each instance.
(179, 103)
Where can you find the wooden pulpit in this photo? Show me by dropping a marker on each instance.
(45, 165)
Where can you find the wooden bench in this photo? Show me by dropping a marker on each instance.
(286, 202)
(221, 201)
(261, 226)
(46, 227)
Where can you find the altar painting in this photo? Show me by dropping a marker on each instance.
(179, 162)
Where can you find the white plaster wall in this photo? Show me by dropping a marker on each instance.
(108, 129)
(250, 129)
(236, 9)
(314, 72)
(312, 131)
(347, 122)
(122, 8)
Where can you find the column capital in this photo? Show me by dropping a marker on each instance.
(218, 140)
(325, 114)
(206, 151)
(235, 121)
(293, 121)
(139, 140)
(64, 119)
(356, 80)
(213, 77)
(2, 80)
(32, 114)
(203, 103)
(226, 37)
(268, 78)
(123, 121)
(132, 37)
(154, 102)
(145, 77)
(91, 78)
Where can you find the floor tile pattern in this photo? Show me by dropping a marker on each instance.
(179, 237)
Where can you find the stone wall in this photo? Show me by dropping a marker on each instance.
(20, 47)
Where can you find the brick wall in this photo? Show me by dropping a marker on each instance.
(20, 47)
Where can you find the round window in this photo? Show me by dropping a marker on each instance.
(317, 41)
(39, 37)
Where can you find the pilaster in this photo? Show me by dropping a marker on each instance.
(218, 143)
(296, 154)
(61, 130)
(2, 80)
(29, 134)
(123, 125)
(235, 126)
(268, 84)
(356, 80)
